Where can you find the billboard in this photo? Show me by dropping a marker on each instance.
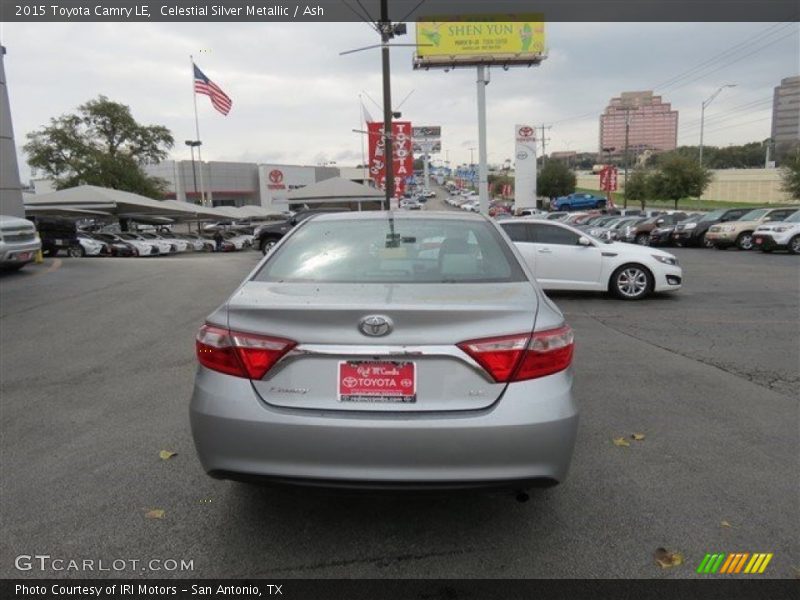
(402, 156)
(480, 40)
(525, 166)
(427, 146)
(429, 132)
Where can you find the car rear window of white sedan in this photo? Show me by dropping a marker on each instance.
(386, 250)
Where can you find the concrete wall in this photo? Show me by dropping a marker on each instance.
(728, 185)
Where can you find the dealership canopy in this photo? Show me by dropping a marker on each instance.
(89, 200)
(335, 189)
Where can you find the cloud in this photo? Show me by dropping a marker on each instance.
(296, 99)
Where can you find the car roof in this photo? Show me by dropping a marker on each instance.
(374, 215)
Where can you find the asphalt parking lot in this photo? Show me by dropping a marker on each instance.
(96, 371)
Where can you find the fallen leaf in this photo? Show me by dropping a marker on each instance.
(666, 559)
(156, 513)
(638, 436)
(620, 442)
(724, 524)
(166, 454)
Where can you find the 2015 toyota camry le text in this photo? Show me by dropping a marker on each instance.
(387, 350)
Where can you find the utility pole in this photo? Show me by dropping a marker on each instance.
(483, 171)
(386, 31)
(544, 142)
(625, 176)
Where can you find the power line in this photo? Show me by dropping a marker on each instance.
(737, 125)
(721, 115)
(720, 56)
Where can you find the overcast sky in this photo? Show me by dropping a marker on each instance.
(296, 100)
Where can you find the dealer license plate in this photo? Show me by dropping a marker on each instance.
(377, 381)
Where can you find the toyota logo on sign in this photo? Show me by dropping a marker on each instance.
(375, 325)
(522, 155)
(276, 176)
(525, 131)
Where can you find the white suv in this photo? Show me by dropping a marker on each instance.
(19, 242)
(779, 235)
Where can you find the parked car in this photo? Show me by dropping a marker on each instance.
(529, 212)
(640, 232)
(19, 242)
(176, 245)
(578, 201)
(162, 246)
(563, 257)
(694, 233)
(58, 235)
(119, 242)
(779, 236)
(662, 235)
(201, 244)
(90, 246)
(114, 247)
(740, 232)
(310, 373)
(266, 236)
(556, 215)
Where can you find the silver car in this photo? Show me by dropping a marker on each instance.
(384, 349)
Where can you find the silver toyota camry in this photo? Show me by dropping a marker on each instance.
(384, 349)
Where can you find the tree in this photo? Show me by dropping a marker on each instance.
(790, 175)
(555, 179)
(679, 177)
(102, 144)
(637, 187)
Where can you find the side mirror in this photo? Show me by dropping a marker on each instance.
(660, 222)
(584, 241)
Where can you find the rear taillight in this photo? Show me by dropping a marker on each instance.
(523, 356)
(240, 354)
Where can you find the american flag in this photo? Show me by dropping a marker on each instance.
(203, 85)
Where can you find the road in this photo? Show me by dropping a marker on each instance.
(96, 371)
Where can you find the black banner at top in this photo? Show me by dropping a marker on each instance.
(399, 10)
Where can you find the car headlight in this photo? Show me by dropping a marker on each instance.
(780, 229)
(727, 228)
(690, 226)
(667, 260)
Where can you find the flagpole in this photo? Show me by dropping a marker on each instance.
(197, 138)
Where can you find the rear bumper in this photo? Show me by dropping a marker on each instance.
(527, 435)
(770, 241)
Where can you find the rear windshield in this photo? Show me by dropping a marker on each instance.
(393, 251)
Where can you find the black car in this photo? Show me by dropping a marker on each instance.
(57, 234)
(270, 234)
(694, 233)
(662, 235)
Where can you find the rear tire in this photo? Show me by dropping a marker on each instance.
(77, 251)
(643, 239)
(745, 240)
(631, 282)
(267, 244)
(794, 245)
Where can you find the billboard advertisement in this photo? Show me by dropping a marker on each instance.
(427, 146)
(402, 155)
(480, 40)
(429, 132)
(525, 166)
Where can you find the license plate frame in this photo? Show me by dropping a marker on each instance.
(377, 382)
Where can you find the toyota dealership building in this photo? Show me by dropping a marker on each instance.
(243, 184)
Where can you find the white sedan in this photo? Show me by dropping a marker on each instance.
(563, 257)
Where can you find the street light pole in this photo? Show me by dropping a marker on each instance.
(703, 114)
(388, 142)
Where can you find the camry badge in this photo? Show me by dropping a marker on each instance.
(375, 325)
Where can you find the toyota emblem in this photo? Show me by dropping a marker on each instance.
(525, 131)
(375, 325)
(276, 176)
